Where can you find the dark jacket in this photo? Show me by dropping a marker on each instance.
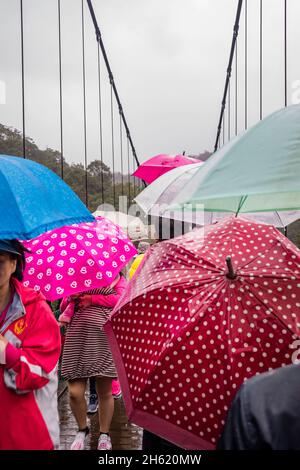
(265, 413)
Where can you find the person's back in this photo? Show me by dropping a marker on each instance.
(265, 413)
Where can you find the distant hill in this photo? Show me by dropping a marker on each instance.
(74, 174)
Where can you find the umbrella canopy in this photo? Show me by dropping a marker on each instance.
(257, 171)
(160, 194)
(185, 336)
(133, 226)
(33, 200)
(76, 258)
(160, 164)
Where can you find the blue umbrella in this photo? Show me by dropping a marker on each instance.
(33, 200)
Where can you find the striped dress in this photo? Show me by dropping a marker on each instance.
(86, 351)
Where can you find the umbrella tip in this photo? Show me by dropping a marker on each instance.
(230, 274)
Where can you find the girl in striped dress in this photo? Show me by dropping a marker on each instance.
(87, 354)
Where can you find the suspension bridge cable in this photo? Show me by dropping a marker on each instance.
(100, 124)
(121, 152)
(134, 180)
(285, 54)
(129, 174)
(23, 78)
(112, 143)
(60, 94)
(84, 104)
(236, 89)
(229, 111)
(111, 78)
(246, 64)
(261, 63)
(223, 129)
(229, 68)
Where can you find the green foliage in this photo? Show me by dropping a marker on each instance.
(74, 174)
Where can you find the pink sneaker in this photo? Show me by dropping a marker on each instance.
(104, 442)
(116, 389)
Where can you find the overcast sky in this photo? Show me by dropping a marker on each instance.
(168, 58)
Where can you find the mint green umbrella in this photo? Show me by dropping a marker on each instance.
(257, 171)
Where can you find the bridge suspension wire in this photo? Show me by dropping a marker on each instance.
(236, 89)
(261, 62)
(23, 78)
(246, 64)
(84, 104)
(112, 143)
(100, 122)
(111, 78)
(60, 93)
(285, 56)
(134, 180)
(129, 173)
(121, 155)
(229, 69)
(229, 112)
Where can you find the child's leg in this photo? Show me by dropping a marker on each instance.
(77, 401)
(106, 408)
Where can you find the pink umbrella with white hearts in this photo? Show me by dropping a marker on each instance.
(76, 258)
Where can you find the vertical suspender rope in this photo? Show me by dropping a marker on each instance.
(112, 144)
(261, 63)
(236, 89)
(134, 180)
(285, 72)
(111, 78)
(84, 105)
(129, 174)
(246, 64)
(223, 129)
(121, 152)
(23, 79)
(100, 124)
(229, 68)
(229, 111)
(60, 95)
(285, 54)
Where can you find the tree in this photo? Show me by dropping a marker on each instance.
(11, 143)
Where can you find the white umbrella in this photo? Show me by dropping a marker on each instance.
(154, 199)
(133, 226)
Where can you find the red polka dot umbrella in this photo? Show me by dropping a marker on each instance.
(192, 327)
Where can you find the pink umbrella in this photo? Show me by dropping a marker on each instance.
(76, 258)
(160, 164)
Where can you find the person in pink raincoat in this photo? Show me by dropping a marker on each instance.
(86, 354)
(80, 301)
(29, 354)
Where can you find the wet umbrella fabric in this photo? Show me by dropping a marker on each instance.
(33, 199)
(76, 258)
(160, 164)
(185, 336)
(256, 171)
(160, 194)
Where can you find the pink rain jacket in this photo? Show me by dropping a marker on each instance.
(28, 374)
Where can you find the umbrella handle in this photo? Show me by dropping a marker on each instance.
(231, 274)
